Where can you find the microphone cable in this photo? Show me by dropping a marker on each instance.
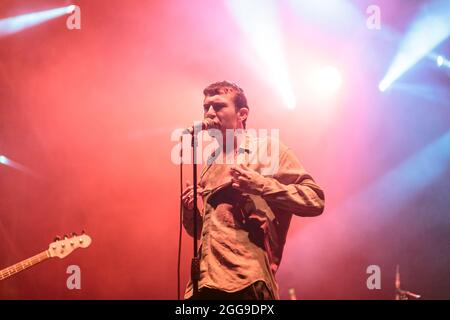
(181, 218)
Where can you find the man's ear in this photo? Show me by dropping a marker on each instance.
(243, 114)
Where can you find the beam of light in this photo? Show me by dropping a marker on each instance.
(399, 185)
(339, 18)
(429, 29)
(334, 15)
(433, 93)
(258, 21)
(16, 24)
(403, 182)
(368, 211)
(372, 208)
(326, 81)
(15, 165)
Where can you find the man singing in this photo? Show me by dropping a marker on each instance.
(247, 208)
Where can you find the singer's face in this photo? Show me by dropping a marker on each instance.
(221, 107)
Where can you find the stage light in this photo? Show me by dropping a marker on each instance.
(16, 24)
(15, 165)
(71, 8)
(258, 21)
(383, 85)
(428, 30)
(4, 160)
(440, 61)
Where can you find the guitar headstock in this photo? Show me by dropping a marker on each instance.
(61, 248)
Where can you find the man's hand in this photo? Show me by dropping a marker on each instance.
(187, 197)
(247, 180)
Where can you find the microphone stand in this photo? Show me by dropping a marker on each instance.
(195, 263)
(406, 295)
(401, 294)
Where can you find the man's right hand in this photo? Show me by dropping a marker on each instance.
(187, 197)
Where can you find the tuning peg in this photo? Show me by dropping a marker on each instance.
(65, 236)
(74, 234)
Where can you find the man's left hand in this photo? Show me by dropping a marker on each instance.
(247, 180)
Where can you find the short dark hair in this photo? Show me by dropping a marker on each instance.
(223, 87)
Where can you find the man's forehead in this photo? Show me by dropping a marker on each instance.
(216, 98)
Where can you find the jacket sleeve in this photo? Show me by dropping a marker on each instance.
(292, 189)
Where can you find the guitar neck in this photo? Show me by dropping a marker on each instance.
(22, 265)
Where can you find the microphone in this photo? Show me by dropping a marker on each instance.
(206, 124)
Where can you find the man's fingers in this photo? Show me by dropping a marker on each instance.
(190, 187)
(188, 194)
(188, 201)
(243, 167)
(246, 170)
(235, 174)
(236, 170)
(187, 191)
(242, 179)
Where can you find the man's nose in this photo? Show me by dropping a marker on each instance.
(211, 113)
